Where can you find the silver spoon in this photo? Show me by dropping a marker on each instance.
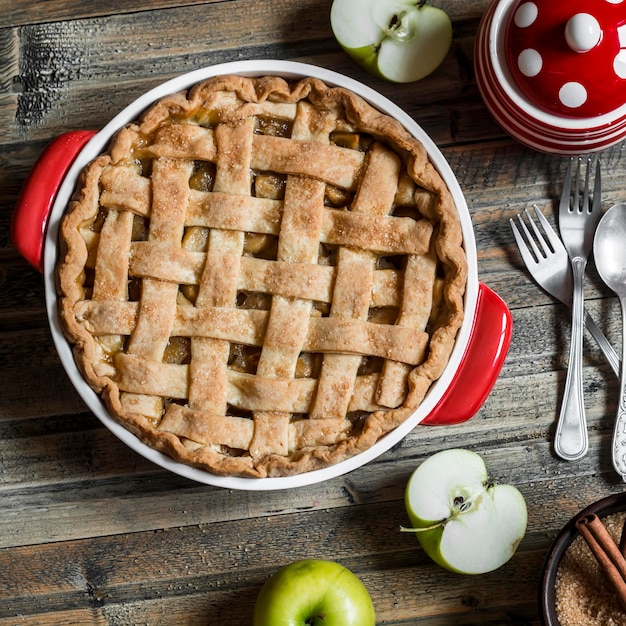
(609, 251)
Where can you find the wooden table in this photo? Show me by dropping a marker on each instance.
(91, 533)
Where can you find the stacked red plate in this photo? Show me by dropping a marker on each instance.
(553, 74)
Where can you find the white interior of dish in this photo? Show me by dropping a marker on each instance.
(98, 145)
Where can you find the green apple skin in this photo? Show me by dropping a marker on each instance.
(314, 592)
(397, 40)
(485, 522)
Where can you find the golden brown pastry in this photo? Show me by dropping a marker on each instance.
(261, 277)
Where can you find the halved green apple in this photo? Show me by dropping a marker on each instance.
(464, 521)
(398, 40)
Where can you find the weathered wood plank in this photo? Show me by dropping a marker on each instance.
(79, 617)
(414, 604)
(9, 54)
(35, 12)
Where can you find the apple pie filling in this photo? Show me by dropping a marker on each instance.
(261, 277)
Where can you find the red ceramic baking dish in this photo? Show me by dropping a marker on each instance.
(482, 341)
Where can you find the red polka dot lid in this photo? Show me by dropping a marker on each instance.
(553, 72)
(569, 58)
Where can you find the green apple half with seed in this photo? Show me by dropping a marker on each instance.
(314, 592)
(463, 520)
(398, 40)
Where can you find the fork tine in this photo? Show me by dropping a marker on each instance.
(527, 257)
(571, 199)
(575, 205)
(585, 205)
(567, 188)
(597, 189)
(527, 242)
(553, 238)
(545, 249)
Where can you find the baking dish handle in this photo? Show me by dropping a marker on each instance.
(480, 366)
(32, 210)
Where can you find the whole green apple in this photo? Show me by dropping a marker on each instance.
(398, 40)
(463, 520)
(314, 592)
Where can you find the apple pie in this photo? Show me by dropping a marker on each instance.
(261, 277)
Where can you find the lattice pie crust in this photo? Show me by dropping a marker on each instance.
(262, 278)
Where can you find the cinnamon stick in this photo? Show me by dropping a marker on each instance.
(607, 553)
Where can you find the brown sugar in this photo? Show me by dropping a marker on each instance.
(584, 596)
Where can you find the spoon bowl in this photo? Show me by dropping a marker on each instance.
(609, 251)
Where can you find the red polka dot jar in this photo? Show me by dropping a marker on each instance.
(553, 73)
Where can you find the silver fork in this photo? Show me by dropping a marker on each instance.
(547, 261)
(578, 219)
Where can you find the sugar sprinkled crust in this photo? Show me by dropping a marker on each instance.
(261, 277)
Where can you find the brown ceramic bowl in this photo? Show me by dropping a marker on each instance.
(602, 508)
